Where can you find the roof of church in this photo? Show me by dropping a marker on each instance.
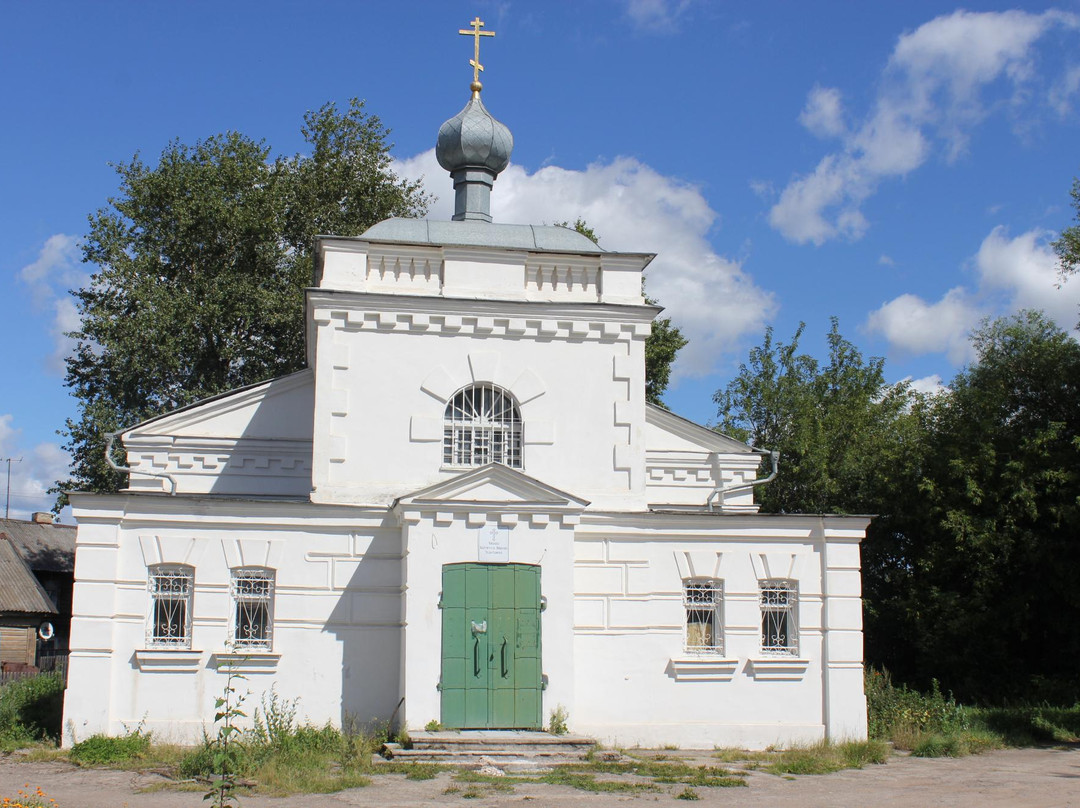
(544, 238)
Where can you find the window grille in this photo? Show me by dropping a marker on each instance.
(169, 623)
(779, 629)
(482, 425)
(253, 612)
(703, 600)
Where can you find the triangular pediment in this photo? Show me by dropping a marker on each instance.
(280, 408)
(494, 484)
(666, 431)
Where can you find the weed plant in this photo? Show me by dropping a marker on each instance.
(30, 710)
(933, 725)
(825, 757)
(108, 750)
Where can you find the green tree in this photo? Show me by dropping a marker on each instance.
(1067, 245)
(664, 341)
(990, 598)
(829, 422)
(201, 262)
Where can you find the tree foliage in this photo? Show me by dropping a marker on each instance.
(829, 422)
(664, 341)
(987, 589)
(1067, 246)
(201, 262)
(969, 567)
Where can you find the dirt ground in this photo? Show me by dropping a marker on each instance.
(1013, 777)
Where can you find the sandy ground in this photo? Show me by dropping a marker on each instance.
(1014, 777)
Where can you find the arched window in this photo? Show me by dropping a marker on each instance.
(482, 425)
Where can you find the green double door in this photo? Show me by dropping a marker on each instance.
(491, 676)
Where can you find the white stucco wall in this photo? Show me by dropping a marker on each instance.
(337, 626)
(635, 683)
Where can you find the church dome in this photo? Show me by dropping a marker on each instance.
(474, 139)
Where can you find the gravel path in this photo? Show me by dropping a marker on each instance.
(1013, 777)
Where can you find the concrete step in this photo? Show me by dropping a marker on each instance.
(491, 747)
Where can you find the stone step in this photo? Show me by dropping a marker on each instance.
(498, 739)
(417, 754)
(491, 747)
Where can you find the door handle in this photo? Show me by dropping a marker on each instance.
(502, 658)
(476, 657)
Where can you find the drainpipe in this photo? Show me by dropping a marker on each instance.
(109, 438)
(719, 492)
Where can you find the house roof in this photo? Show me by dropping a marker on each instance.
(44, 547)
(19, 589)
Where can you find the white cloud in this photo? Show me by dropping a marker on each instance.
(1010, 274)
(823, 114)
(927, 385)
(1023, 273)
(635, 209)
(56, 270)
(915, 326)
(33, 471)
(886, 261)
(931, 94)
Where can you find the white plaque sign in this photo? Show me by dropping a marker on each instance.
(493, 543)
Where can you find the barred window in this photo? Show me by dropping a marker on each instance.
(169, 622)
(253, 608)
(703, 599)
(482, 425)
(779, 610)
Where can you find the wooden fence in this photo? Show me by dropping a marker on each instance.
(46, 664)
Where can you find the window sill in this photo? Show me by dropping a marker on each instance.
(244, 662)
(168, 660)
(703, 668)
(778, 668)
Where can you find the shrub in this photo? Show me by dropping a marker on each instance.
(895, 712)
(105, 750)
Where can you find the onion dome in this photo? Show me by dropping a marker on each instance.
(474, 147)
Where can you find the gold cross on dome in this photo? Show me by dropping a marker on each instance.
(476, 33)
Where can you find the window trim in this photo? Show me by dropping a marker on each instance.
(238, 600)
(173, 574)
(713, 607)
(769, 592)
(474, 436)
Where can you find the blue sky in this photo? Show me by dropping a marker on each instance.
(902, 166)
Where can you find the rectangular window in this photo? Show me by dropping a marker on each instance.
(253, 609)
(169, 623)
(703, 600)
(779, 627)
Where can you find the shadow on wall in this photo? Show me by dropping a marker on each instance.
(368, 621)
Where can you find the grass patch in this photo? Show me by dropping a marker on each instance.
(664, 772)
(588, 782)
(826, 757)
(957, 744)
(933, 725)
(107, 750)
(687, 794)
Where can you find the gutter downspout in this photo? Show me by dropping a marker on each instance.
(719, 492)
(109, 439)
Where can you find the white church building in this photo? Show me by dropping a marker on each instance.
(463, 510)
